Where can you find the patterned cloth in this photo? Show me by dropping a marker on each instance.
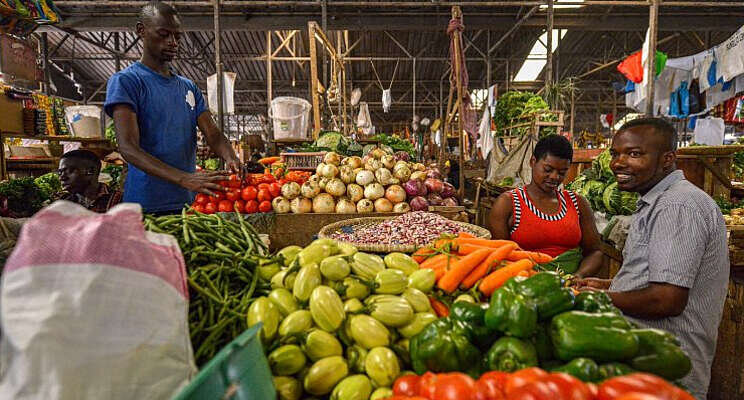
(105, 199)
(678, 236)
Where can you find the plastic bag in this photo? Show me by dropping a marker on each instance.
(387, 100)
(228, 98)
(515, 165)
(99, 312)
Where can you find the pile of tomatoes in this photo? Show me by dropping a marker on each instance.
(533, 384)
(250, 196)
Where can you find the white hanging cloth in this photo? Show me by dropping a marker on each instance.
(709, 131)
(387, 97)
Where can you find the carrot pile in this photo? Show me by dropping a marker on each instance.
(465, 262)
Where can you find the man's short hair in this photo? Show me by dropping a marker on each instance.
(555, 145)
(660, 127)
(84, 155)
(153, 8)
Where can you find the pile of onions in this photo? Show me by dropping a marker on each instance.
(395, 194)
(324, 203)
(434, 185)
(419, 203)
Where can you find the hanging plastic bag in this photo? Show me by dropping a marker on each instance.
(387, 100)
(100, 312)
(363, 119)
(228, 98)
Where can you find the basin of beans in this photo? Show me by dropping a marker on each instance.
(414, 228)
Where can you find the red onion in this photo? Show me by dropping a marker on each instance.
(434, 173)
(447, 190)
(433, 185)
(419, 203)
(450, 202)
(401, 156)
(414, 187)
(434, 199)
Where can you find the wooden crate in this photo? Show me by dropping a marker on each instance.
(708, 167)
(302, 161)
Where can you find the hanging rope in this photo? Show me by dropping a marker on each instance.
(379, 81)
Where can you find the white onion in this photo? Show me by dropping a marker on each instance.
(323, 182)
(301, 205)
(319, 168)
(400, 164)
(365, 177)
(332, 158)
(388, 161)
(373, 165)
(419, 167)
(377, 153)
(280, 205)
(345, 206)
(324, 203)
(395, 194)
(365, 206)
(354, 162)
(329, 171)
(355, 192)
(314, 178)
(347, 174)
(403, 173)
(383, 205)
(291, 190)
(374, 191)
(418, 175)
(310, 188)
(335, 187)
(383, 176)
(394, 181)
(402, 207)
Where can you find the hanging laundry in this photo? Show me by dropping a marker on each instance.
(485, 140)
(632, 66)
(701, 69)
(718, 94)
(730, 56)
(679, 102)
(733, 110)
(709, 131)
(629, 86)
(697, 100)
(691, 123)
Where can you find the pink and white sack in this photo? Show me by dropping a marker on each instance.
(93, 307)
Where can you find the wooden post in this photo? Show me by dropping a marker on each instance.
(653, 20)
(218, 65)
(508, 78)
(311, 27)
(549, 47)
(456, 12)
(269, 88)
(414, 90)
(614, 112)
(573, 112)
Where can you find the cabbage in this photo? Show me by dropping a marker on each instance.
(333, 141)
(601, 166)
(628, 203)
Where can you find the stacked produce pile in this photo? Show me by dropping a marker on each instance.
(514, 106)
(379, 182)
(414, 228)
(227, 266)
(339, 321)
(599, 186)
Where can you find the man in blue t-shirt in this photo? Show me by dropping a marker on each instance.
(156, 113)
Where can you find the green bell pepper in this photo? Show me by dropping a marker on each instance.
(594, 302)
(611, 370)
(601, 337)
(581, 368)
(443, 346)
(547, 291)
(659, 353)
(473, 316)
(542, 342)
(510, 354)
(511, 313)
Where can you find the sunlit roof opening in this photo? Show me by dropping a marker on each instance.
(557, 4)
(537, 58)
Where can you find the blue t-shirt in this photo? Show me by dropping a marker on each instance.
(167, 110)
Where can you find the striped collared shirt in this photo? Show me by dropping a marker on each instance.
(678, 236)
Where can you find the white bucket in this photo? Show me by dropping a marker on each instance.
(291, 116)
(85, 121)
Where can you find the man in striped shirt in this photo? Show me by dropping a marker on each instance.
(675, 261)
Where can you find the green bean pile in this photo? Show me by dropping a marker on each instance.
(222, 258)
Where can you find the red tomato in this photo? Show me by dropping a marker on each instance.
(427, 385)
(490, 386)
(198, 208)
(249, 193)
(251, 207)
(201, 198)
(210, 208)
(454, 386)
(239, 206)
(406, 385)
(265, 206)
(218, 196)
(637, 396)
(640, 383)
(234, 181)
(264, 195)
(263, 186)
(225, 206)
(224, 184)
(232, 194)
(275, 189)
(268, 178)
(522, 377)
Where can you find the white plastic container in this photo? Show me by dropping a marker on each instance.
(291, 117)
(84, 121)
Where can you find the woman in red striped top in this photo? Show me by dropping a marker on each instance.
(544, 217)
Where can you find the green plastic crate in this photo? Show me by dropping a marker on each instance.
(238, 372)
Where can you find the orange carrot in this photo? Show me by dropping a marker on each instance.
(461, 268)
(465, 235)
(486, 266)
(498, 277)
(540, 258)
(466, 249)
(525, 274)
(481, 242)
(440, 308)
(422, 254)
(432, 261)
(533, 272)
(440, 243)
(439, 272)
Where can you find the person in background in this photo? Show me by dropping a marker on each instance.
(543, 217)
(156, 113)
(78, 173)
(675, 262)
